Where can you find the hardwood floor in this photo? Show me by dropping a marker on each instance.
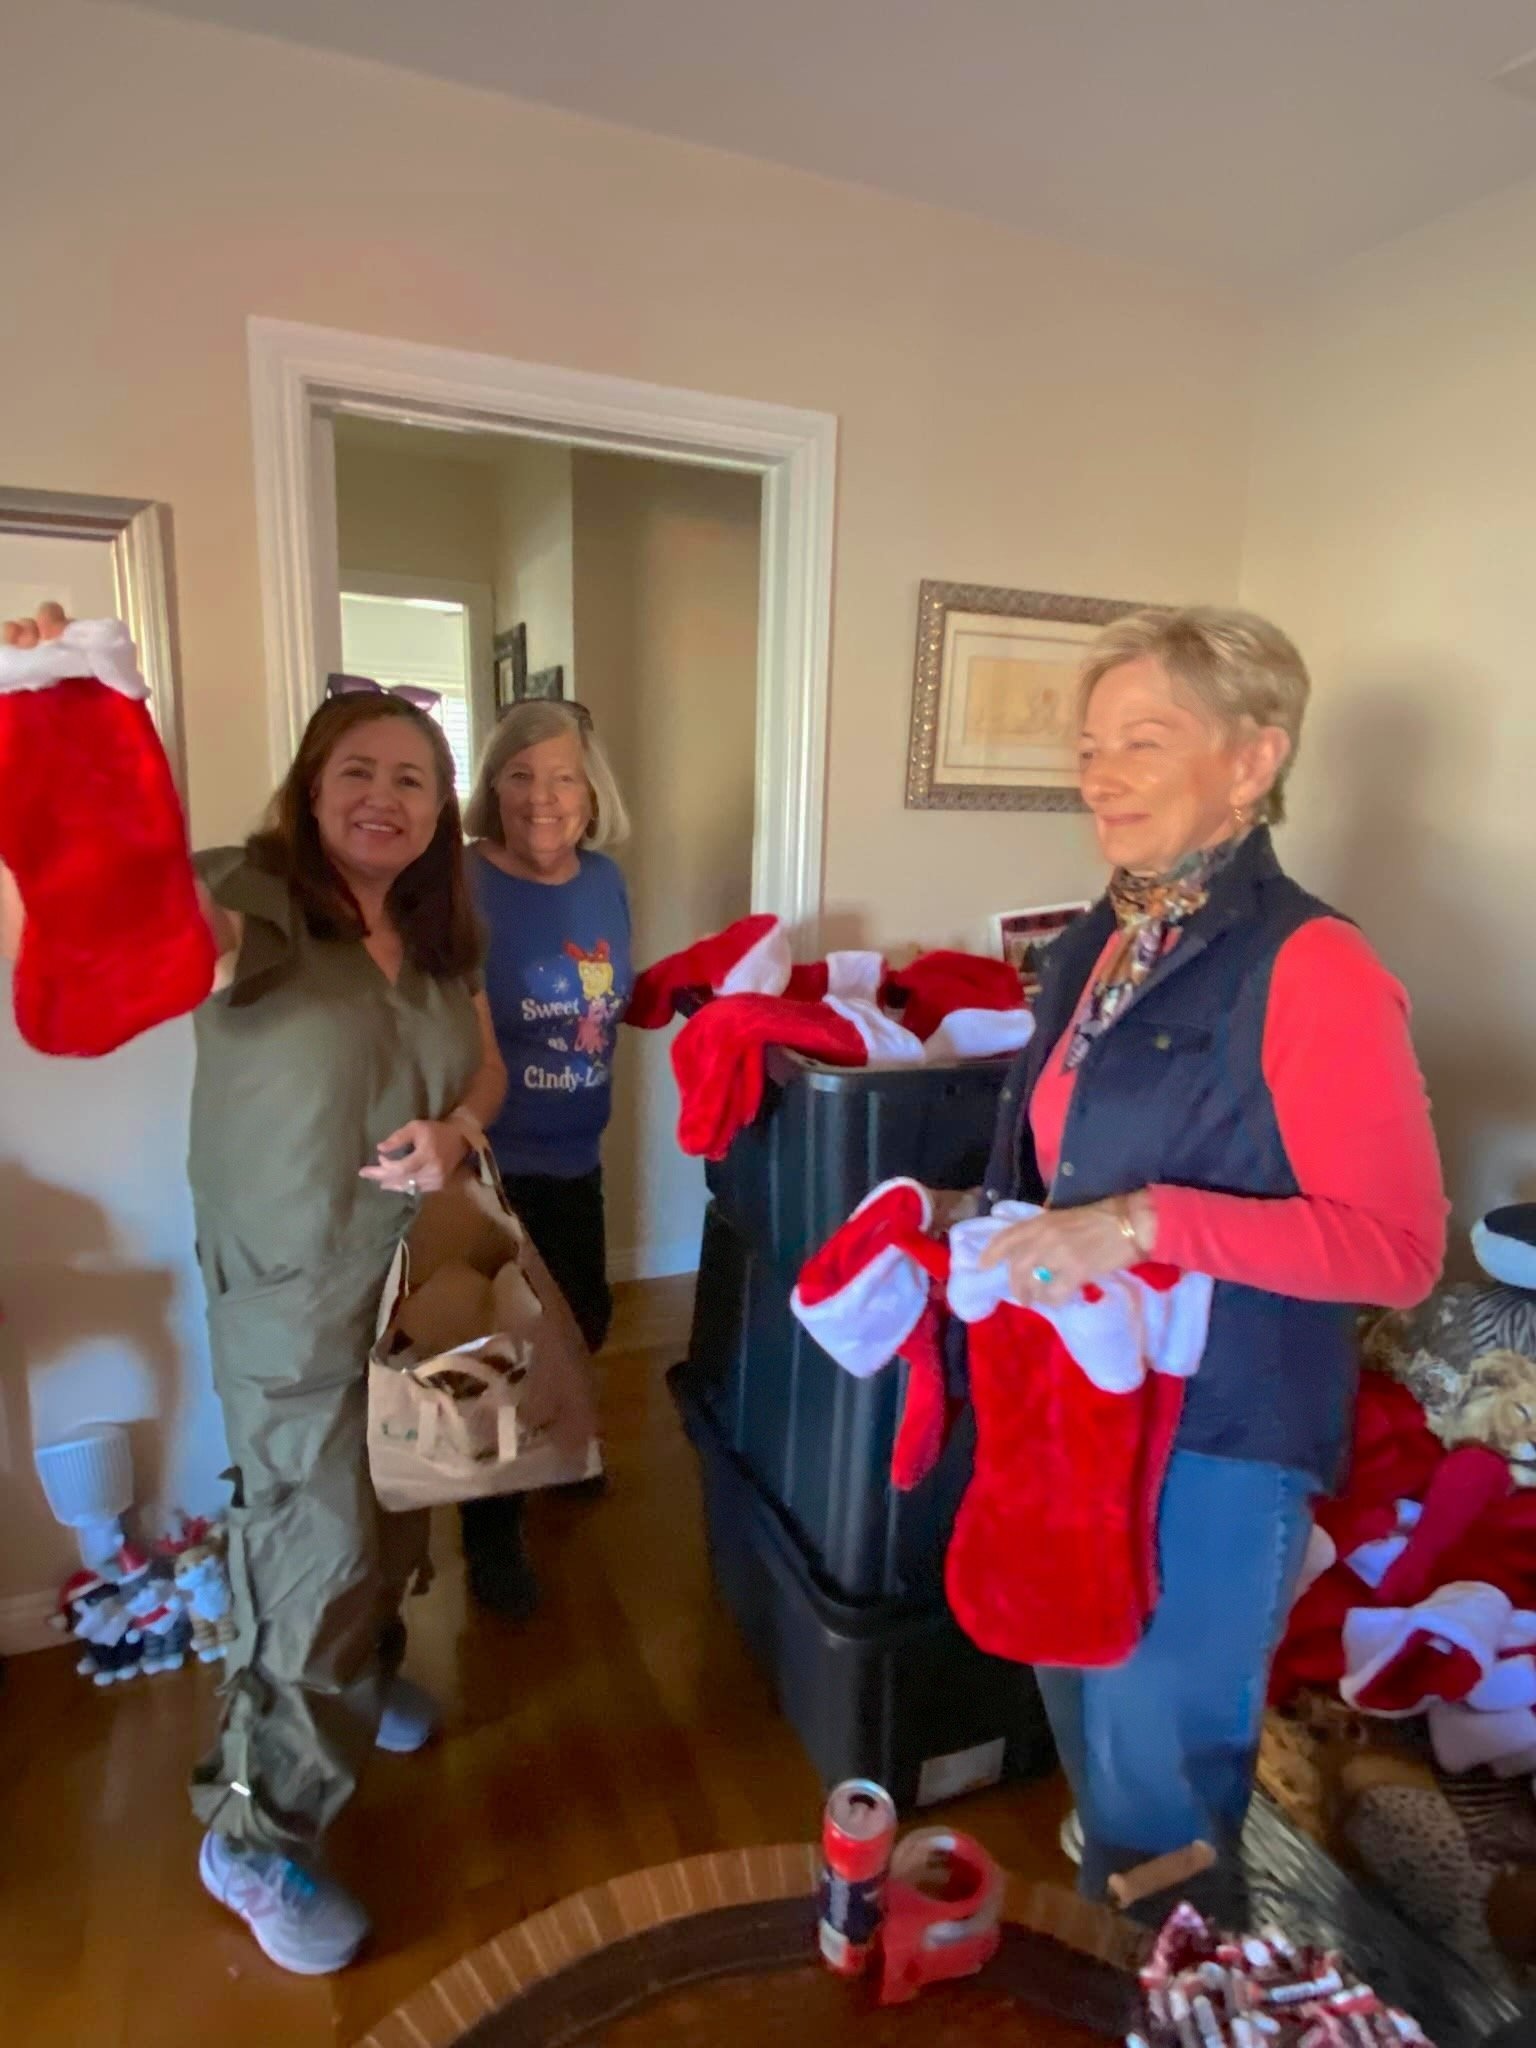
(622, 1726)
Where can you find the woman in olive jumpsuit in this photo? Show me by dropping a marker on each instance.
(345, 1064)
(349, 1026)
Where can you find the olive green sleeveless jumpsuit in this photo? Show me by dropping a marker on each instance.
(304, 1064)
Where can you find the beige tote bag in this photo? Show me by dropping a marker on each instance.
(479, 1382)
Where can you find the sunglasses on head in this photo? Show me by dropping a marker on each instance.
(578, 711)
(338, 685)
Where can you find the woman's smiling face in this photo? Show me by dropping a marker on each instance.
(1160, 775)
(377, 801)
(545, 803)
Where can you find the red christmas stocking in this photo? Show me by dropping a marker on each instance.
(718, 1060)
(114, 940)
(926, 1408)
(1471, 1480)
(1053, 1557)
(750, 957)
(936, 984)
(874, 1292)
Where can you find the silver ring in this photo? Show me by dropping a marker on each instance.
(1042, 1274)
(413, 1188)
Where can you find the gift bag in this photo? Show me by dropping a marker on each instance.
(479, 1381)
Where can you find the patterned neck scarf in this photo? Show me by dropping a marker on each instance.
(1149, 910)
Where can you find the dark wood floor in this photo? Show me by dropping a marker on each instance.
(622, 1726)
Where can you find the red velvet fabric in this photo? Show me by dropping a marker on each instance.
(701, 966)
(1499, 1550)
(1426, 1667)
(808, 981)
(90, 825)
(718, 1060)
(1465, 1485)
(1395, 1454)
(926, 1410)
(892, 1217)
(1054, 1554)
(1472, 1528)
(1312, 1653)
(939, 982)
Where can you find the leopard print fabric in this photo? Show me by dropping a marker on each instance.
(1410, 1842)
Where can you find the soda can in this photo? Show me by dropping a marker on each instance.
(858, 1832)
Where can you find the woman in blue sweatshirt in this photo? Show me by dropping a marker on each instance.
(558, 976)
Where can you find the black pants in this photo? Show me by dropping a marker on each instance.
(565, 1220)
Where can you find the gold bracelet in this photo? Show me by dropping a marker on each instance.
(1128, 1230)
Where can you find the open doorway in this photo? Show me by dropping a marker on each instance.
(309, 382)
(632, 586)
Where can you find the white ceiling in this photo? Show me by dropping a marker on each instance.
(1247, 141)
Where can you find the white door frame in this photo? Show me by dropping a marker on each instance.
(302, 374)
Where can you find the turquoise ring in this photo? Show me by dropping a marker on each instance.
(1043, 1275)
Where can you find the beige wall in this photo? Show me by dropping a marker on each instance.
(1393, 532)
(1011, 411)
(666, 584)
(399, 514)
(534, 568)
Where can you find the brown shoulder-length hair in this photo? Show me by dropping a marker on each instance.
(429, 904)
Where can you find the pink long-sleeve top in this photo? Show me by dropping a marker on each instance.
(1369, 1224)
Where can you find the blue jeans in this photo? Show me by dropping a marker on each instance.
(1160, 1750)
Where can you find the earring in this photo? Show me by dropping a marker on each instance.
(1239, 817)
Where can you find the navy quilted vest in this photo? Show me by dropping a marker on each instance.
(1174, 1092)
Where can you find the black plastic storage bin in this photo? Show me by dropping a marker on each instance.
(817, 1440)
(892, 1692)
(826, 1135)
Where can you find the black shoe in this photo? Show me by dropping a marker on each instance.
(583, 1489)
(495, 1559)
(503, 1585)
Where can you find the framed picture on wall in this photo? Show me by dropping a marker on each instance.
(994, 723)
(510, 653)
(545, 682)
(1024, 937)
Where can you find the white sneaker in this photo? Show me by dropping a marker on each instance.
(1071, 1838)
(409, 1720)
(304, 1923)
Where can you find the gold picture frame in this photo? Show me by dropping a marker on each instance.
(993, 725)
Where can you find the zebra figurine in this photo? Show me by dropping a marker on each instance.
(1503, 1318)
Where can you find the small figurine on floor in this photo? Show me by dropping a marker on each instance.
(148, 1591)
(203, 1584)
(92, 1610)
(163, 1622)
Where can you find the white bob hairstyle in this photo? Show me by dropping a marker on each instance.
(525, 725)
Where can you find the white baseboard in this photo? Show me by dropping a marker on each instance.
(654, 1261)
(24, 1624)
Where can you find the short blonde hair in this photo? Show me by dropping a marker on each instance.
(1243, 670)
(525, 725)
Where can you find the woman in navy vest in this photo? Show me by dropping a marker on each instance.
(1221, 1077)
